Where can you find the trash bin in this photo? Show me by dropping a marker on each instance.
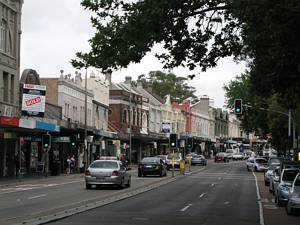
(56, 167)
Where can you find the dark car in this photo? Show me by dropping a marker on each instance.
(198, 160)
(152, 166)
(221, 157)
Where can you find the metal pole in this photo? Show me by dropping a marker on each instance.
(85, 122)
(130, 114)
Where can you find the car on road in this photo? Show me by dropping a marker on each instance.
(163, 157)
(152, 166)
(285, 183)
(198, 160)
(269, 173)
(221, 157)
(238, 156)
(107, 172)
(293, 203)
(230, 153)
(177, 158)
(257, 164)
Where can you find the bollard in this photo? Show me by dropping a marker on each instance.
(182, 166)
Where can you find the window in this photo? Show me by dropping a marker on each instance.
(3, 30)
(12, 88)
(5, 86)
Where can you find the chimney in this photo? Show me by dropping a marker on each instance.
(108, 75)
(128, 80)
(139, 84)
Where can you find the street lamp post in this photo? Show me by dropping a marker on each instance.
(85, 122)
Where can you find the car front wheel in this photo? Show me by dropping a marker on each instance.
(88, 186)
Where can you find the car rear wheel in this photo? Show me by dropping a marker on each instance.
(277, 201)
(88, 186)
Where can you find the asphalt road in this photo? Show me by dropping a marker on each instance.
(26, 200)
(221, 194)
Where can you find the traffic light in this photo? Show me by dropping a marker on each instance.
(173, 141)
(238, 106)
(73, 141)
(46, 141)
(189, 143)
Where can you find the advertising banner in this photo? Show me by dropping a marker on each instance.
(33, 101)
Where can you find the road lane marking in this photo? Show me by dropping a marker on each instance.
(200, 196)
(213, 184)
(37, 196)
(261, 212)
(185, 208)
(226, 203)
(219, 178)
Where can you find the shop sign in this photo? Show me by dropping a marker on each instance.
(9, 121)
(27, 123)
(166, 127)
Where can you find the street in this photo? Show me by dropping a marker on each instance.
(221, 193)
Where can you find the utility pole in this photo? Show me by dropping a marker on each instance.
(130, 114)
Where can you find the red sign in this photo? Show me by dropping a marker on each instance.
(9, 121)
(33, 101)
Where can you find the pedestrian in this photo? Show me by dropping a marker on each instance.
(68, 165)
(72, 164)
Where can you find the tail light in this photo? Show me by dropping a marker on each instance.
(87, 173)
(114, 173)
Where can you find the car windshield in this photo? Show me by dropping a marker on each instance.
(273, 161)
(150, 160)
(289, 175)
(104, 164)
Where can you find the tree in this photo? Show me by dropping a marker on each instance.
(199, 33)
(163, 84)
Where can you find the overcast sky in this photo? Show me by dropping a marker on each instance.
(54, 30)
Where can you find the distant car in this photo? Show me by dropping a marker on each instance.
(274, 161)
(230, 153)
(177, 158)
(285, 183)
(258, 165)
(238, 156)
(249, 163)
(199, 160)
(221, 157)
(269, 173)
(294, 196)
(107, 172)
(152, 166)
(163, 157)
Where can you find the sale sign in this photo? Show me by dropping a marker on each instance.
(33, 101)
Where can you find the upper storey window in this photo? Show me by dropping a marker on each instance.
(3, 35)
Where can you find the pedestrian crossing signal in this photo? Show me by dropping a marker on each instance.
(238, 106)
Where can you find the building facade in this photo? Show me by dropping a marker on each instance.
(10, 31)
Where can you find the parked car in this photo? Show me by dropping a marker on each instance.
(177, 158)
(152, 166)
(285, 183)
(199, 160)
(221, 156)
(107, 172)
(294, 196)
(258, 165)
(230, 153)
(274, 161)
(269, 173)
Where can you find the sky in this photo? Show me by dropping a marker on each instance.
(54, 30)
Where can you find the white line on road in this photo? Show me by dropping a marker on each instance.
(213, 184)
(226, 203)
(261, 212)
(185, 208)
(200, 196)
(37, 196)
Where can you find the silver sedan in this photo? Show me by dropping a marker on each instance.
(107, 172)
